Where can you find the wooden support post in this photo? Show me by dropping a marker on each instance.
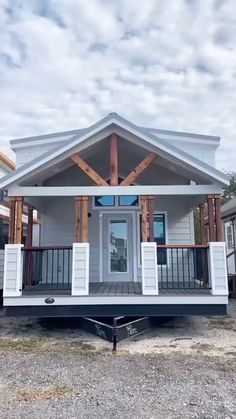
(29, 236)
(78, 219)
(211, 218)
(19, 211)
(144, 218)
(12, 221)
(219, 229)
(202, 223)
(113, 160)
(151, 217)
(84, 228)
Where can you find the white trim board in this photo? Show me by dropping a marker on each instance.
(114, 190)
(102, 300)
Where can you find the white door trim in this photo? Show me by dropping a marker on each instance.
(116, 211)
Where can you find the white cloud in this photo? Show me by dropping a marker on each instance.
(169, 64)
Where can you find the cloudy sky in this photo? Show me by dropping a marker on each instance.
(169, 64)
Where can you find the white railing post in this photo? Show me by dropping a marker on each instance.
(149, 268)
(80, 269)
(218, 268)
(12, 280)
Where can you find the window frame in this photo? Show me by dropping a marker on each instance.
(116, 206)
(230, 243)
(165, 213)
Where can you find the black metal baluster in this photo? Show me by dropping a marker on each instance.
(177, 263)
(63, 267)
(195, 266)
(189, 279)
(69, 264)
(162, 275)
(172, 268)
(167, 273)
(52, 267)
(183, 267)
(57, 267)
(46, 267)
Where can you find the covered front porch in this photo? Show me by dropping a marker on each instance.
(116, 230)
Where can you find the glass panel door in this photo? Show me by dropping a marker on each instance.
(117, 247)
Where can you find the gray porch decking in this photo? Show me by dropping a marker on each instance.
(113, 288)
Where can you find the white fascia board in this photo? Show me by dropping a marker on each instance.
(106, 299)
(42, 139)
(130, 128)
(113, 190)
(184, 137)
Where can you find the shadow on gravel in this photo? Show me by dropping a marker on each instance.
(63, 323)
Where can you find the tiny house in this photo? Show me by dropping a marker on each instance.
(116, 204)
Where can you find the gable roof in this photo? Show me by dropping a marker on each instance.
(115, 121)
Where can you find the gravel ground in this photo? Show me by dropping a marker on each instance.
(184, 368)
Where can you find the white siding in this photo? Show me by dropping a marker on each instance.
(200, 151)
(58, 222)
(27, 154)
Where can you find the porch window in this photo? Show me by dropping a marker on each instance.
(104, 201)
(159, 236)
(229, 237)
(128, 201)
(116, 201)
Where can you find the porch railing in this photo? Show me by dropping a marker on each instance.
(47, 267)
(182, 266)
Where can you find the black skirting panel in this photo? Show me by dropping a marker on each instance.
(118, 310)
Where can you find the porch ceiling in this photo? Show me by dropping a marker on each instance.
(161, 172)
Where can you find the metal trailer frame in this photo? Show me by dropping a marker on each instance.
(116, 329)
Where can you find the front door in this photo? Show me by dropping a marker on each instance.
(117, 247)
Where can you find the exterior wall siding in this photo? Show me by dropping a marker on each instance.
(27, 154)
(201, 152)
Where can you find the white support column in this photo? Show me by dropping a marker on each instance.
(218, 268)
(12, 281)
(149, 268)
(80, 269)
